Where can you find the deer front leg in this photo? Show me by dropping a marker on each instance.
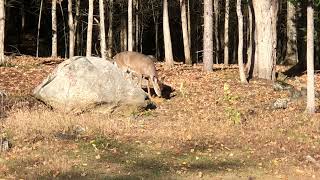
(140, 80)
(148, 87)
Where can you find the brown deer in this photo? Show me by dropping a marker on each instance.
(140, 65)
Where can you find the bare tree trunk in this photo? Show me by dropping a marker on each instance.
(23, 17)
(141, 37)
(137, 24)
(189, 24)
(76, 28)
(110, 31)
(156, 29)
(89, 30)
(243, 78)
(123, 34)
(2, 30)
(39, 24)
(167, 35)
(266, 37)
(185, 33)
(102, 30)
(54, 50)
(216, 30)
(250, 40)
(226, 33)
(64, 30)
(292, 49)
(208, 36)
(71, 30)
(310, 59)
(130, 26)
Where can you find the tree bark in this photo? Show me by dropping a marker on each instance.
(216, 30)
(130, 26)
(226, 33)
(243, 78)
(156, 28)
(89, 30)
(110, 31)
(54, 49)
(102, 30)
(208, 36)
(77, 29)
(39, 25)
(292, 50)
(123, 34)
(266, 37)
(310, 59)
(189, 24)
(71, 30)
(250, 40)
(137, 25)
(185, 32)
(2, 30)
(167, 35)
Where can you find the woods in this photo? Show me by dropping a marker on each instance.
(148, 89)
(231, 32)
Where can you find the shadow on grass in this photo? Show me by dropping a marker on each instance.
(119, 160)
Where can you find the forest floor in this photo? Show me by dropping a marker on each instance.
(211, 127)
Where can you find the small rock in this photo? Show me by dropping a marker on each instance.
(280, 103)
(280, 86)
(295, 94)
(79, 130)
(5, 145)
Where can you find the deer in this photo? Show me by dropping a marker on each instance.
(141, 66)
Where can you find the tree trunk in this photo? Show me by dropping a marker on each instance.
(71, 30)
(2, 30)
(39, 25)
(250, 40)
(167, 35)
(185, 33)
(64, 30)
(54, 50)
(76, 28)
(292, 50)
(23, 17)
(216, 30)
(243, 78)
(208, 36)
(266, 37)
(110, 31)
(89, 30)
(156, 29)
(137, 25)
(102, 30)
(310, 58)
(123, 34)
(226, 33)
(130, 26)
(189, 24)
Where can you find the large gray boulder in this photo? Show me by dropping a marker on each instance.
(89, 83)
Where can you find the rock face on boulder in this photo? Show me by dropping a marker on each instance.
(89, 83)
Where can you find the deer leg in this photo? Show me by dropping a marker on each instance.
(140, 81)
(148, 87)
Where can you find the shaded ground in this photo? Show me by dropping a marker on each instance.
(212, 127)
